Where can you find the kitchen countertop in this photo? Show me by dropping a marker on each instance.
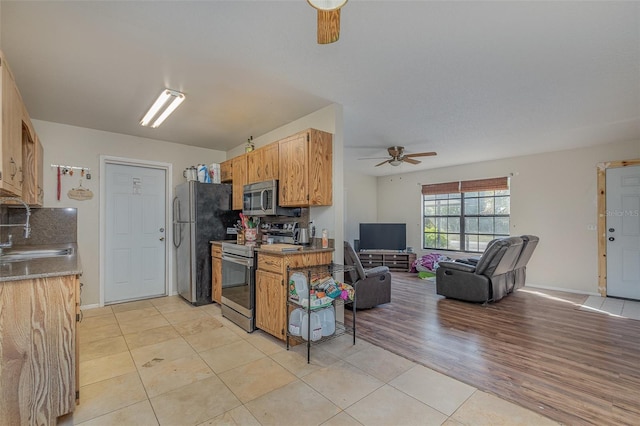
(43, 267)
(305, 249)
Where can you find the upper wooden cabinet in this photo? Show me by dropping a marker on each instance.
(262, 163)
(32, 152)
(226, 171)
(21, 153)
(239, 167)
(306, 169)
(11, 152)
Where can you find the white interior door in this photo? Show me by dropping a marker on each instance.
(135, 244)
(623, 232)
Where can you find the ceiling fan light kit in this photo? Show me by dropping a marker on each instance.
(327, 4)
(328, 19)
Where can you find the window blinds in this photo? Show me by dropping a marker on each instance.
(492, 184)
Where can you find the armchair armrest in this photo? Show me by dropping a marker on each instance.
(457, 266)
(374, 272)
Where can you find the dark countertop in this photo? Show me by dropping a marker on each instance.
(43, 267)
(305, 249)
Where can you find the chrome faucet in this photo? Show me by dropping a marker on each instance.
(26, 227)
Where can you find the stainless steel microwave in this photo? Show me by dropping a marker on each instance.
(261, 199)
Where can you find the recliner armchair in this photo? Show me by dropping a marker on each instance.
(373, 286)
(529, 244)
(491, 279)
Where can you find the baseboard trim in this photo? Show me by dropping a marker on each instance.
(92, 306)
(566, 290)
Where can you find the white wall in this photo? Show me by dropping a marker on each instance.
(76, 146)
(361, 198)
(553, 196)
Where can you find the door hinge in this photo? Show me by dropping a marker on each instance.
(77, 394)
(282, 282)
(77, 317)
(0, 175)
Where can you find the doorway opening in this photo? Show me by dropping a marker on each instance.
(606, 237)
(135, 261)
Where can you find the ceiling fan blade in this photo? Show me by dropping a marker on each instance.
(410, 160)
(421, 154)
(372, 158)
(384, 162)
(328, 26)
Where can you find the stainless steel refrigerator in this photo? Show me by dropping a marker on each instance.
(201, 213)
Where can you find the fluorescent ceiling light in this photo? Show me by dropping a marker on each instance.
(168, 99)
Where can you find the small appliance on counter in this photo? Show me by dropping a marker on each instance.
(281, 232)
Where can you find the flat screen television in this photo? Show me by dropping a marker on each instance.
(383, 236)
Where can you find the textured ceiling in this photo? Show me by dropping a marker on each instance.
(470, 80)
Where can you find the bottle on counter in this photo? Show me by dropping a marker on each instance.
(325, 239)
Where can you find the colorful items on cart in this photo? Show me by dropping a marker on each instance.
(323, 290)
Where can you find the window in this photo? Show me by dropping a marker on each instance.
(465, 216)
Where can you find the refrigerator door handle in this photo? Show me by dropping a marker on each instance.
(176, 226)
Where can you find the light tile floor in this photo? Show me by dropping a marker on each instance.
(163, 361)
(612, 306)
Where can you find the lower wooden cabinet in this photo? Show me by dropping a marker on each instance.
(216, 273)
(271, 303)
(38, 349)
(271, 286)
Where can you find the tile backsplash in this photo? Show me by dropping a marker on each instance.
(48, 225)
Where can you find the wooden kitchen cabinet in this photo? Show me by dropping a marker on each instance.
(270, 307)
(216, 273)
(262, 163)
(38, 349)
(11, 152)
(271, 286)
(32, 152)
(239, 167)
(306, 169)
(226, 171)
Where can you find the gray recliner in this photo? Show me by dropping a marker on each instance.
(373, 286)
(520, 270)
(491, 279)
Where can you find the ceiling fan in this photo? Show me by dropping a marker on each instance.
(328, 19)
(398, 156)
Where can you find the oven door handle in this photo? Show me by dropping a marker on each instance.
(240, 261)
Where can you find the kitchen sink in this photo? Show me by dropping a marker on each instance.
(29, 254)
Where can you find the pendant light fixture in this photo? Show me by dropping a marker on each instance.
(169, 100)
(328, 19)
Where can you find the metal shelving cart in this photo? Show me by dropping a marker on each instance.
(318, 274)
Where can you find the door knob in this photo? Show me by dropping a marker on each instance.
(611, 238)
(611, 229)
(161, 238)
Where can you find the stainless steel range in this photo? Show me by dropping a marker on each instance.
(238, 285)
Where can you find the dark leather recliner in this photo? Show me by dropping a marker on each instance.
(491, 279)
(373, 286)
(520, 270)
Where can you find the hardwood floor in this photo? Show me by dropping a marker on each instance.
(534, 348)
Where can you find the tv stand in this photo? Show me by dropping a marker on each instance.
(393, 259)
